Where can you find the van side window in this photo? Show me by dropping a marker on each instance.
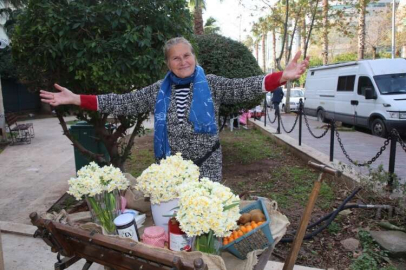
(346, 83)
(363, 84)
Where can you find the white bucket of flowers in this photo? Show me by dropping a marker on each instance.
(162, 182)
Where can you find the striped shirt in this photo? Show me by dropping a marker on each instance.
(181, 96)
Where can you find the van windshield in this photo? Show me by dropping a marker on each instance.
(391, 84)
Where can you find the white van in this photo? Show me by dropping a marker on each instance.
(367, 93)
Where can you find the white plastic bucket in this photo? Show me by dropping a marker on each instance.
(164, 208)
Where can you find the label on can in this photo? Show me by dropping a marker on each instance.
(178, 241)
(128, 232)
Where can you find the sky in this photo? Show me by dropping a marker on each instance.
(234, 19)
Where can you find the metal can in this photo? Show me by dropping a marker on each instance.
(127, 227)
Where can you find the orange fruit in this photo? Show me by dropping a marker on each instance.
(231, 239)
(240, 233)
(249, 228)
(253, 222)
(235, 234)
(225, 241)
(244, 229)
(254, 226)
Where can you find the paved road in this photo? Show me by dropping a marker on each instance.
(360, 146)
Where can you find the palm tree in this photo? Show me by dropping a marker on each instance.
(210, 26)
(197, 6)
(257, 36)
(263, 27)
(361, 28)
(325, 32)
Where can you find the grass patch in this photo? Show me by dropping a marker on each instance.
(139, 161)
(373, 257)
(251, 146)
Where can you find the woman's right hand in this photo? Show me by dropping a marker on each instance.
(65, 96)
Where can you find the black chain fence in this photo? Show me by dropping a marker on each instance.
(311, 132)
(293, 127)
(267, 115)
(369, 162)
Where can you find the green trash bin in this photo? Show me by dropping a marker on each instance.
(85, 135)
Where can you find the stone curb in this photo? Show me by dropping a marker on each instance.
(17, 228)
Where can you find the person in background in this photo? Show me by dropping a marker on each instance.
(185, 103)
(277, 96)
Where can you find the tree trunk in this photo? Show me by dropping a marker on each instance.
(288, 87)
(274, 48)
(361, 29)
(257, 50)
(325, 32)
(303, 34)
(198, 20)
(287, 50)
(264, 36)
(373, 52)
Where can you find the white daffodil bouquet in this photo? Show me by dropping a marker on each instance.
(207, 210)
(101, 187)
(161, 182)
(93, 180)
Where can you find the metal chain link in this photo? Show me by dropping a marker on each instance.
(399, 139)
(267, 114)
(308, 127)
(369, 162)
(294, 124)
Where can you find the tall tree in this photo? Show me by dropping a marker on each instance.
(325, 32)
(256, 32)
(211, 27)
(361, 28)
(263, 26)
(197, 7)
(95, 47)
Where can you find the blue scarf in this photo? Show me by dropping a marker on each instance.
(201, 110)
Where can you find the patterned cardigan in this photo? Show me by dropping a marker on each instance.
(181, 136)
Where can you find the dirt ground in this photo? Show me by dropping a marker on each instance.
(255, 165)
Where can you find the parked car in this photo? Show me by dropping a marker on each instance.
(366, 93)
(295, 95)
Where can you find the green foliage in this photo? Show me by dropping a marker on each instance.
(89, 45)
(334, 228)
(373, 257)
(95, 47)
(345, 57)
(231, 59)
(211, 27)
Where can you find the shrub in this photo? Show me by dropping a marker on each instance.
(231, 59)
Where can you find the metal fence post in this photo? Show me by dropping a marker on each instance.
(300, 120)
(279, 122)
(332, 141)
(392, 158)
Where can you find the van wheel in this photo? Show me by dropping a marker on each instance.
(378, 128)
(321, 116)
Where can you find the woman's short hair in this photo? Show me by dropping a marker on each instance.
(174, 41)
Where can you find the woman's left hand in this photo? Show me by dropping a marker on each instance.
(294, 69)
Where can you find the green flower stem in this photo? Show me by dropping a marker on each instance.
(105, 214)
(206, 243)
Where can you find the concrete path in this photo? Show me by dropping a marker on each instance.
(34, 176)
(360, 146)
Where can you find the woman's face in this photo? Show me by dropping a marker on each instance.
(181, 60)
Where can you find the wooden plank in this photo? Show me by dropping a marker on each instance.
(297, 242)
